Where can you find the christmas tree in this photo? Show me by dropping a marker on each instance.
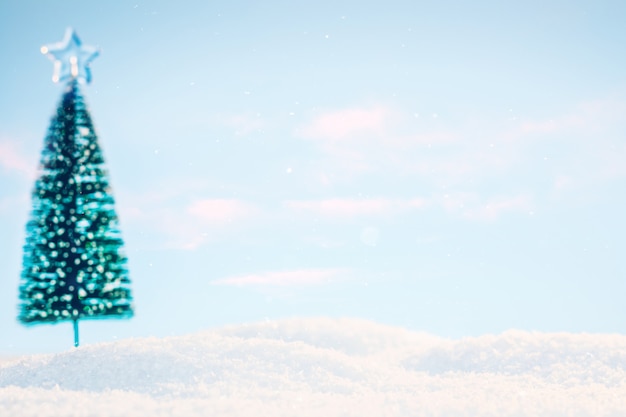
(74, 266)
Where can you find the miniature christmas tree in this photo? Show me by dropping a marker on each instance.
(74, 266)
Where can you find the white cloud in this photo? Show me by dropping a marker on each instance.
(471, 207)
(592, 116)
(350, 207)
(347, 123)
(582, 143)
(468, 205)
(178, 217)
(324, 367)
(314, 276)
(12, 160)
(219, 211)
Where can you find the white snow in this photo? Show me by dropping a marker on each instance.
(323, 367)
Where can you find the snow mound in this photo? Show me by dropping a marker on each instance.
(598, 358)
(347, 335)
(324, 367)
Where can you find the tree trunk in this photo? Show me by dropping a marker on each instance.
(75, 332)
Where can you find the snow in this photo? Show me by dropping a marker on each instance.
(323, 367)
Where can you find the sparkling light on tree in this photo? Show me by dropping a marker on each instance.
(74, 266)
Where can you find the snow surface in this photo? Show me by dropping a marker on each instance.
(324, 367)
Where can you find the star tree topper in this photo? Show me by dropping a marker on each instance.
(71, 58)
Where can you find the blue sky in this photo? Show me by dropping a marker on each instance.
(451, 167)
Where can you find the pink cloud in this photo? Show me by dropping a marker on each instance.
(468, 205)
(472, 206)
(349, 207)
(457, 202)
(387, 141)
(286, 278)
(590, 137)
(342, 206)
(494, 208)
(563, 182)
(377, 138)
(432, 138)
(219, 211)
(172, 221)
(546, 126)
(347, 123)
(590, 116)
(12, 160)
(205, 221)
